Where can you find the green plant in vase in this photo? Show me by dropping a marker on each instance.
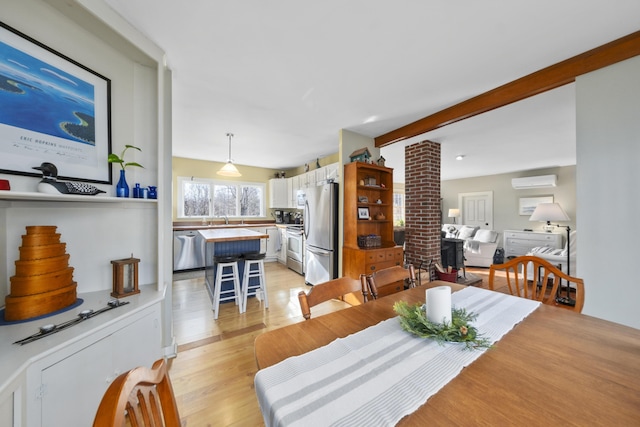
(122, 188)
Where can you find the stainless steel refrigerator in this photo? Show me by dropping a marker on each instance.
(321, 233)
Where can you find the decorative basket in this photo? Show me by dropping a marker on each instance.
(369, 241)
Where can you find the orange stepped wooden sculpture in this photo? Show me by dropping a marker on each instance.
(44, 281)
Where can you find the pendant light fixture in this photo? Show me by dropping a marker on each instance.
(229, 169)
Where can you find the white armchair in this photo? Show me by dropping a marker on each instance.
(479, 245)
(559, 256)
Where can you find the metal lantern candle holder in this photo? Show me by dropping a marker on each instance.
(125, 277)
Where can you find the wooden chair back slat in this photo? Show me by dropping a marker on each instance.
(142, 397)
(326, 291)
(391, 280)
(546, 282)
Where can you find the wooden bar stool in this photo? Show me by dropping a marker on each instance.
(254, 267)
(226, 272)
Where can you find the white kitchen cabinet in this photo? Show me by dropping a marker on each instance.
(282, 257)
(293, 191)
(303, 180)
(273, 244)
(279, 193)
(270, 246)
(332, 172)
(321, 174)
(310, 179)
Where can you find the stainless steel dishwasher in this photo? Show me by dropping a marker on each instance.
(188, 250)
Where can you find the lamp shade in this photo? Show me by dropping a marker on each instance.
(454, 213)
(546, 212)
(229, 170)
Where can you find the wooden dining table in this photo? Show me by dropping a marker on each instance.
(556, 367)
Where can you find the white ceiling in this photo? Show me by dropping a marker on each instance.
(286, 75)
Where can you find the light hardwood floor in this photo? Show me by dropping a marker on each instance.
(213, 373)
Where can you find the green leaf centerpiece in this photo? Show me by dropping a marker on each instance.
(414, 319)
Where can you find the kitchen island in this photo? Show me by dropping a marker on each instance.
(228, 242)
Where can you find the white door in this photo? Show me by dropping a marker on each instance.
(476, 209)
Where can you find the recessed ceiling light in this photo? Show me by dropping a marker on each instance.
(460, 157)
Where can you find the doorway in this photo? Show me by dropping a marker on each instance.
(476, 209)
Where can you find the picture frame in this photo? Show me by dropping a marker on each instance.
(363, 213)
(363, 199)
(55, 110)
(527, 205)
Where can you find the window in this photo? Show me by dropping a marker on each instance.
(398, 209)
(204, 198)
(196, 198)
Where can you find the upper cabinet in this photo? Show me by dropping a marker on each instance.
(279, 192)
(282, 192)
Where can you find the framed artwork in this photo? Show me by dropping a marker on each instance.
(528, 204)
(363, 213)
(52, 109)
(363, 199)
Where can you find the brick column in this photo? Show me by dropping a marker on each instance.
(422, 204)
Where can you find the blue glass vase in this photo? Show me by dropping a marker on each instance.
(122, 188)
(153, 192)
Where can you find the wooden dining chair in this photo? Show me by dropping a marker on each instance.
(142, 397)
(546, 283)
(391, 280)
(326, 291)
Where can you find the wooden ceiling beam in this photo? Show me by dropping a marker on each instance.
(535, 83)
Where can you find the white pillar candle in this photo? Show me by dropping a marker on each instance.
(439, 304)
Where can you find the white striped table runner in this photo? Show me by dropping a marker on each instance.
(380, 374)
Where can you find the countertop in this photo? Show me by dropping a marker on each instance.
(199, 226)
(231, 235)
(14, 358)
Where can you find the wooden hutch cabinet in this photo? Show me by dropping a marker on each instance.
(368, 242)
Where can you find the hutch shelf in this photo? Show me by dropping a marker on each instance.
(368, 220)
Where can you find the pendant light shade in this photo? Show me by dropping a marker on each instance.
(229, 169)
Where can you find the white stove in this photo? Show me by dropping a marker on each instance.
(295, 248)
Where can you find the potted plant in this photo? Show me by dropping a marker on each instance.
(122, 188)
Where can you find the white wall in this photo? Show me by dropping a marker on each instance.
(506, 199)
(94, 234)
(350, 142)
(608, 177)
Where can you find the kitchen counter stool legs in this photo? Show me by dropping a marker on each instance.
(254, 268)
(226, 272)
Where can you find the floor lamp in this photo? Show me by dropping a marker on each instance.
(547, 212)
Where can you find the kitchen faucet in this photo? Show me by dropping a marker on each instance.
(226, 219)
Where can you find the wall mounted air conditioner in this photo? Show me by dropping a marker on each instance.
(542, 181)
